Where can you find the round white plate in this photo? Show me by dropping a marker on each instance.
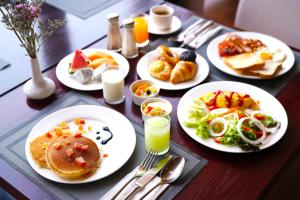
(119, 148)
(65, 78)
(215, 59)
(143, 71)
(268, 104)
(175, 26)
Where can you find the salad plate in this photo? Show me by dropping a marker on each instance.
(272, 44)
(113, 155)
(63, 75)
(266, 104)
(144, 64)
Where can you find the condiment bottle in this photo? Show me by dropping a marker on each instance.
(114, 34)
(129, 48)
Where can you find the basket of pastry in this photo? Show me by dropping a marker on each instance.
(250, 56)
(169, 66)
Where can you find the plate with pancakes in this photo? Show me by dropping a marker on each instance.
(250, 55)
(80, 144)
(173, 68)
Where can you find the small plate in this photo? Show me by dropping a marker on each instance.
(119, 149)
(65, 78)
(215, 59)
(175, 26)
(143, 71)
(267, 103)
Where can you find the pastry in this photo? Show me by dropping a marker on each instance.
(164, 53)
(73, 157)
(183, 71)
(160, 69)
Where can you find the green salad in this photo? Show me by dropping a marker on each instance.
(231, 126)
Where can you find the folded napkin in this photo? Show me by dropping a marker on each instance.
(152, 195)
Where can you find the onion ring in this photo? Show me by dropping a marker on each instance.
(213, 122)
(258, 124)
(269, 130)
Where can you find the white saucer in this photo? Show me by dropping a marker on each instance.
(176, 25)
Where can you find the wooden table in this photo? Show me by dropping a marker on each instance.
(227, 176)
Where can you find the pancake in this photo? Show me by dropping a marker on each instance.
(38, 147)
(73, 157)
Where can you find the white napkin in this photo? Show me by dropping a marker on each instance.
(152, 195)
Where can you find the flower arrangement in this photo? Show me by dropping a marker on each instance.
(22, 17)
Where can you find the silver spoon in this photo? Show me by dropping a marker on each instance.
(169, 173)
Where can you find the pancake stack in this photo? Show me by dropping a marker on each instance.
(68, 155)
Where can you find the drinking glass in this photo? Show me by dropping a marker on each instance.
(113, 86)
(141, 29)
(157, 134)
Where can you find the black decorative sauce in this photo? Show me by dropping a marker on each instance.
(98, 138)
(98, 132)
(105, 128)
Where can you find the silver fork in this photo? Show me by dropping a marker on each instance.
(140, 170)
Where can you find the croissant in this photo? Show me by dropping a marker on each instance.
(183, 71)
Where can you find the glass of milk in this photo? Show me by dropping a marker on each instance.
(113, 86)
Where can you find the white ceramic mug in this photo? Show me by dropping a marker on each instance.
(162, 16)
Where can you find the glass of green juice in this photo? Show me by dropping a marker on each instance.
(157, 134)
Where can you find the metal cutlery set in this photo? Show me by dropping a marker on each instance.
(170, 168)
(196, 34)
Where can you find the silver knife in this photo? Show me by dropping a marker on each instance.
(190, 29)
(146, 178)
(205, 37)
(193, 35)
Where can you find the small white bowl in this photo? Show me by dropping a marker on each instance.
(138, 100)
(167, 106)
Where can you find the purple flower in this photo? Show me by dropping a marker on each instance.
(35, 11)
(21, 6)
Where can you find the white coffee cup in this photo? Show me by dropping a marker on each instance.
(162, 16)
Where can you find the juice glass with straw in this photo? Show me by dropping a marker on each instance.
(157, 134)
(141, 29)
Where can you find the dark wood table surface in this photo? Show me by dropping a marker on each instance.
(227, 176)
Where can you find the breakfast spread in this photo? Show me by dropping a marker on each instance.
(67, 152)
(251, 56)
(169, 66)
(231, 118)
(85, 68)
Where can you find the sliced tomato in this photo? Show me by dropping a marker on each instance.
(259, 117)
(217, 140)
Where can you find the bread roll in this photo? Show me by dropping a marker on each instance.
(183, 71)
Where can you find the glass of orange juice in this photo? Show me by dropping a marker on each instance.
(141, 29)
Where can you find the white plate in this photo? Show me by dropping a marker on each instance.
(268, 104)
(175, 26)
(119, 148)
(143, 71)
(215, 59)
(64, 76)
